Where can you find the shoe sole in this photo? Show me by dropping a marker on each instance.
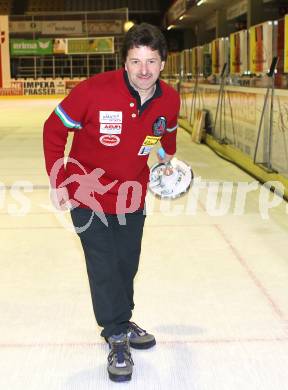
(120, 378)
(148, 345)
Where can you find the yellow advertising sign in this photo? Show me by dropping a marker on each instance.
(219, 55)
(99, 45)
(260, 38)
(238, 52)
(151, 140)
(215, 57)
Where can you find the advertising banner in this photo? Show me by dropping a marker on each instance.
(197, 60)
(65, 27)
(89, 45)
(15, 88)
(174, 63)
(103, 27)
(5, 75)
(238, 52)
(30, 47)
(53, 27)
(70, 84)
(24, 26)
(219, 54)
(207, 60)
(186, 61)
(280, 46)
(47, 87)
(286, 44)
(60, 46)
(261, 38)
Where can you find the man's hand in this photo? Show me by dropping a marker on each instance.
(164, 157)
(60, 198)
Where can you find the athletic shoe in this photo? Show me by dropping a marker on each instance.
(139, 338)
(120, 363)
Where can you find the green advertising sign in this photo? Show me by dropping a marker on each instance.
(30, 47)
(100, 45)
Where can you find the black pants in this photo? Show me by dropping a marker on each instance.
(112, 257)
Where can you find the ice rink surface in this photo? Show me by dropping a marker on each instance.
(212, 283)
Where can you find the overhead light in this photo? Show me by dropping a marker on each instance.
(127, 25)
(182, 17)
(201, 2)
(170, 27)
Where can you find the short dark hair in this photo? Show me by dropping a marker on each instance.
(145, 34)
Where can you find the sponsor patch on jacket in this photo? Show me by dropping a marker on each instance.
(150, 140)
(110, 128)
(109, 140)
(159, 126)
(110, 116)
(144, 150)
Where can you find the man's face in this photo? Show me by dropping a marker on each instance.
(143, 66)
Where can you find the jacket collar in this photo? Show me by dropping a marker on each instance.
(135, 94)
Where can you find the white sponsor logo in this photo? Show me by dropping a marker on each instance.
(144, 150)
(109, 140)
(110, 116)
(110, 128)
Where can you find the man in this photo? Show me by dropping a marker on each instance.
(117, 117)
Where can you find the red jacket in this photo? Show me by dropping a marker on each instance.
(111, 142)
